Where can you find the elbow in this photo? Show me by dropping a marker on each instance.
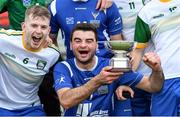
(157, 88)
(65, 105)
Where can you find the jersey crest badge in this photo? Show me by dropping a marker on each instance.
(41, 64)
(26, 3)
(69, 20)
(103, 90)
(95, 22)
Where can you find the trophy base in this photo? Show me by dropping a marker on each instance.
(121, 69)
(120, 64)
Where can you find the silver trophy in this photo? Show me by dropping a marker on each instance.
(120, 60)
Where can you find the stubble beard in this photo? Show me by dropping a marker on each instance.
(88, 61)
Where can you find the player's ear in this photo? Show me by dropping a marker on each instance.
(49, 29)
(70, 45)
(23, 26)
(97, 49)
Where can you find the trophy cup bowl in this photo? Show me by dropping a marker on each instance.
(120, 60)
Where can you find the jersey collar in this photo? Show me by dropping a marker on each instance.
(81, 69)
(165, 0)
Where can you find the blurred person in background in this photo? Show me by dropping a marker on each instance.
(67, 13)
(4, 20)
(140, 103)
(17, 8)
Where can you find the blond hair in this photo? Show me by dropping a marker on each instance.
(37, 11)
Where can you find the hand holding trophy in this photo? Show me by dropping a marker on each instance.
(120, 60)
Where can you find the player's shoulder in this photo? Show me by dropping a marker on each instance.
(149, 5)
(57, 3)
(103, 61)
(66, 62)
(54, 48)
(52, 52)
(64, 66)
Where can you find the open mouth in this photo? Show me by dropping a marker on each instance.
(83, 53)
(36, 39)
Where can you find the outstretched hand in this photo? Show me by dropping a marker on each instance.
(103, 4)
(153, 61)
(107, 76)
(121, 89)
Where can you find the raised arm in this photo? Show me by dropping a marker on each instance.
(155, 81)
(71, 97)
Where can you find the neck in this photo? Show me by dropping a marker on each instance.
(165, 0)
(86, 65)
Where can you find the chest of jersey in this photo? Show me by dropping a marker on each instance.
(81, 14)
(21, 63)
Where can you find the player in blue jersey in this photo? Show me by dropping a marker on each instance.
(23, 63)
(67, 13)
(85, 84)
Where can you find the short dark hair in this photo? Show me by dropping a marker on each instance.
(84, 27)
(37, 10)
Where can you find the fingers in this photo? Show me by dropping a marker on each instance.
(103, 4)
(47, 42)
(121, 89)
(130, 91)
(107, 68)
(152, 60)
(111, 77)
(151, 57)
(108, 71)
(119, 93)
(108, 4)
(98, 4)
(107, 76)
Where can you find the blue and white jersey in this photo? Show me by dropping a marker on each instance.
(68, 75)
(67, 13)
(21, 71)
